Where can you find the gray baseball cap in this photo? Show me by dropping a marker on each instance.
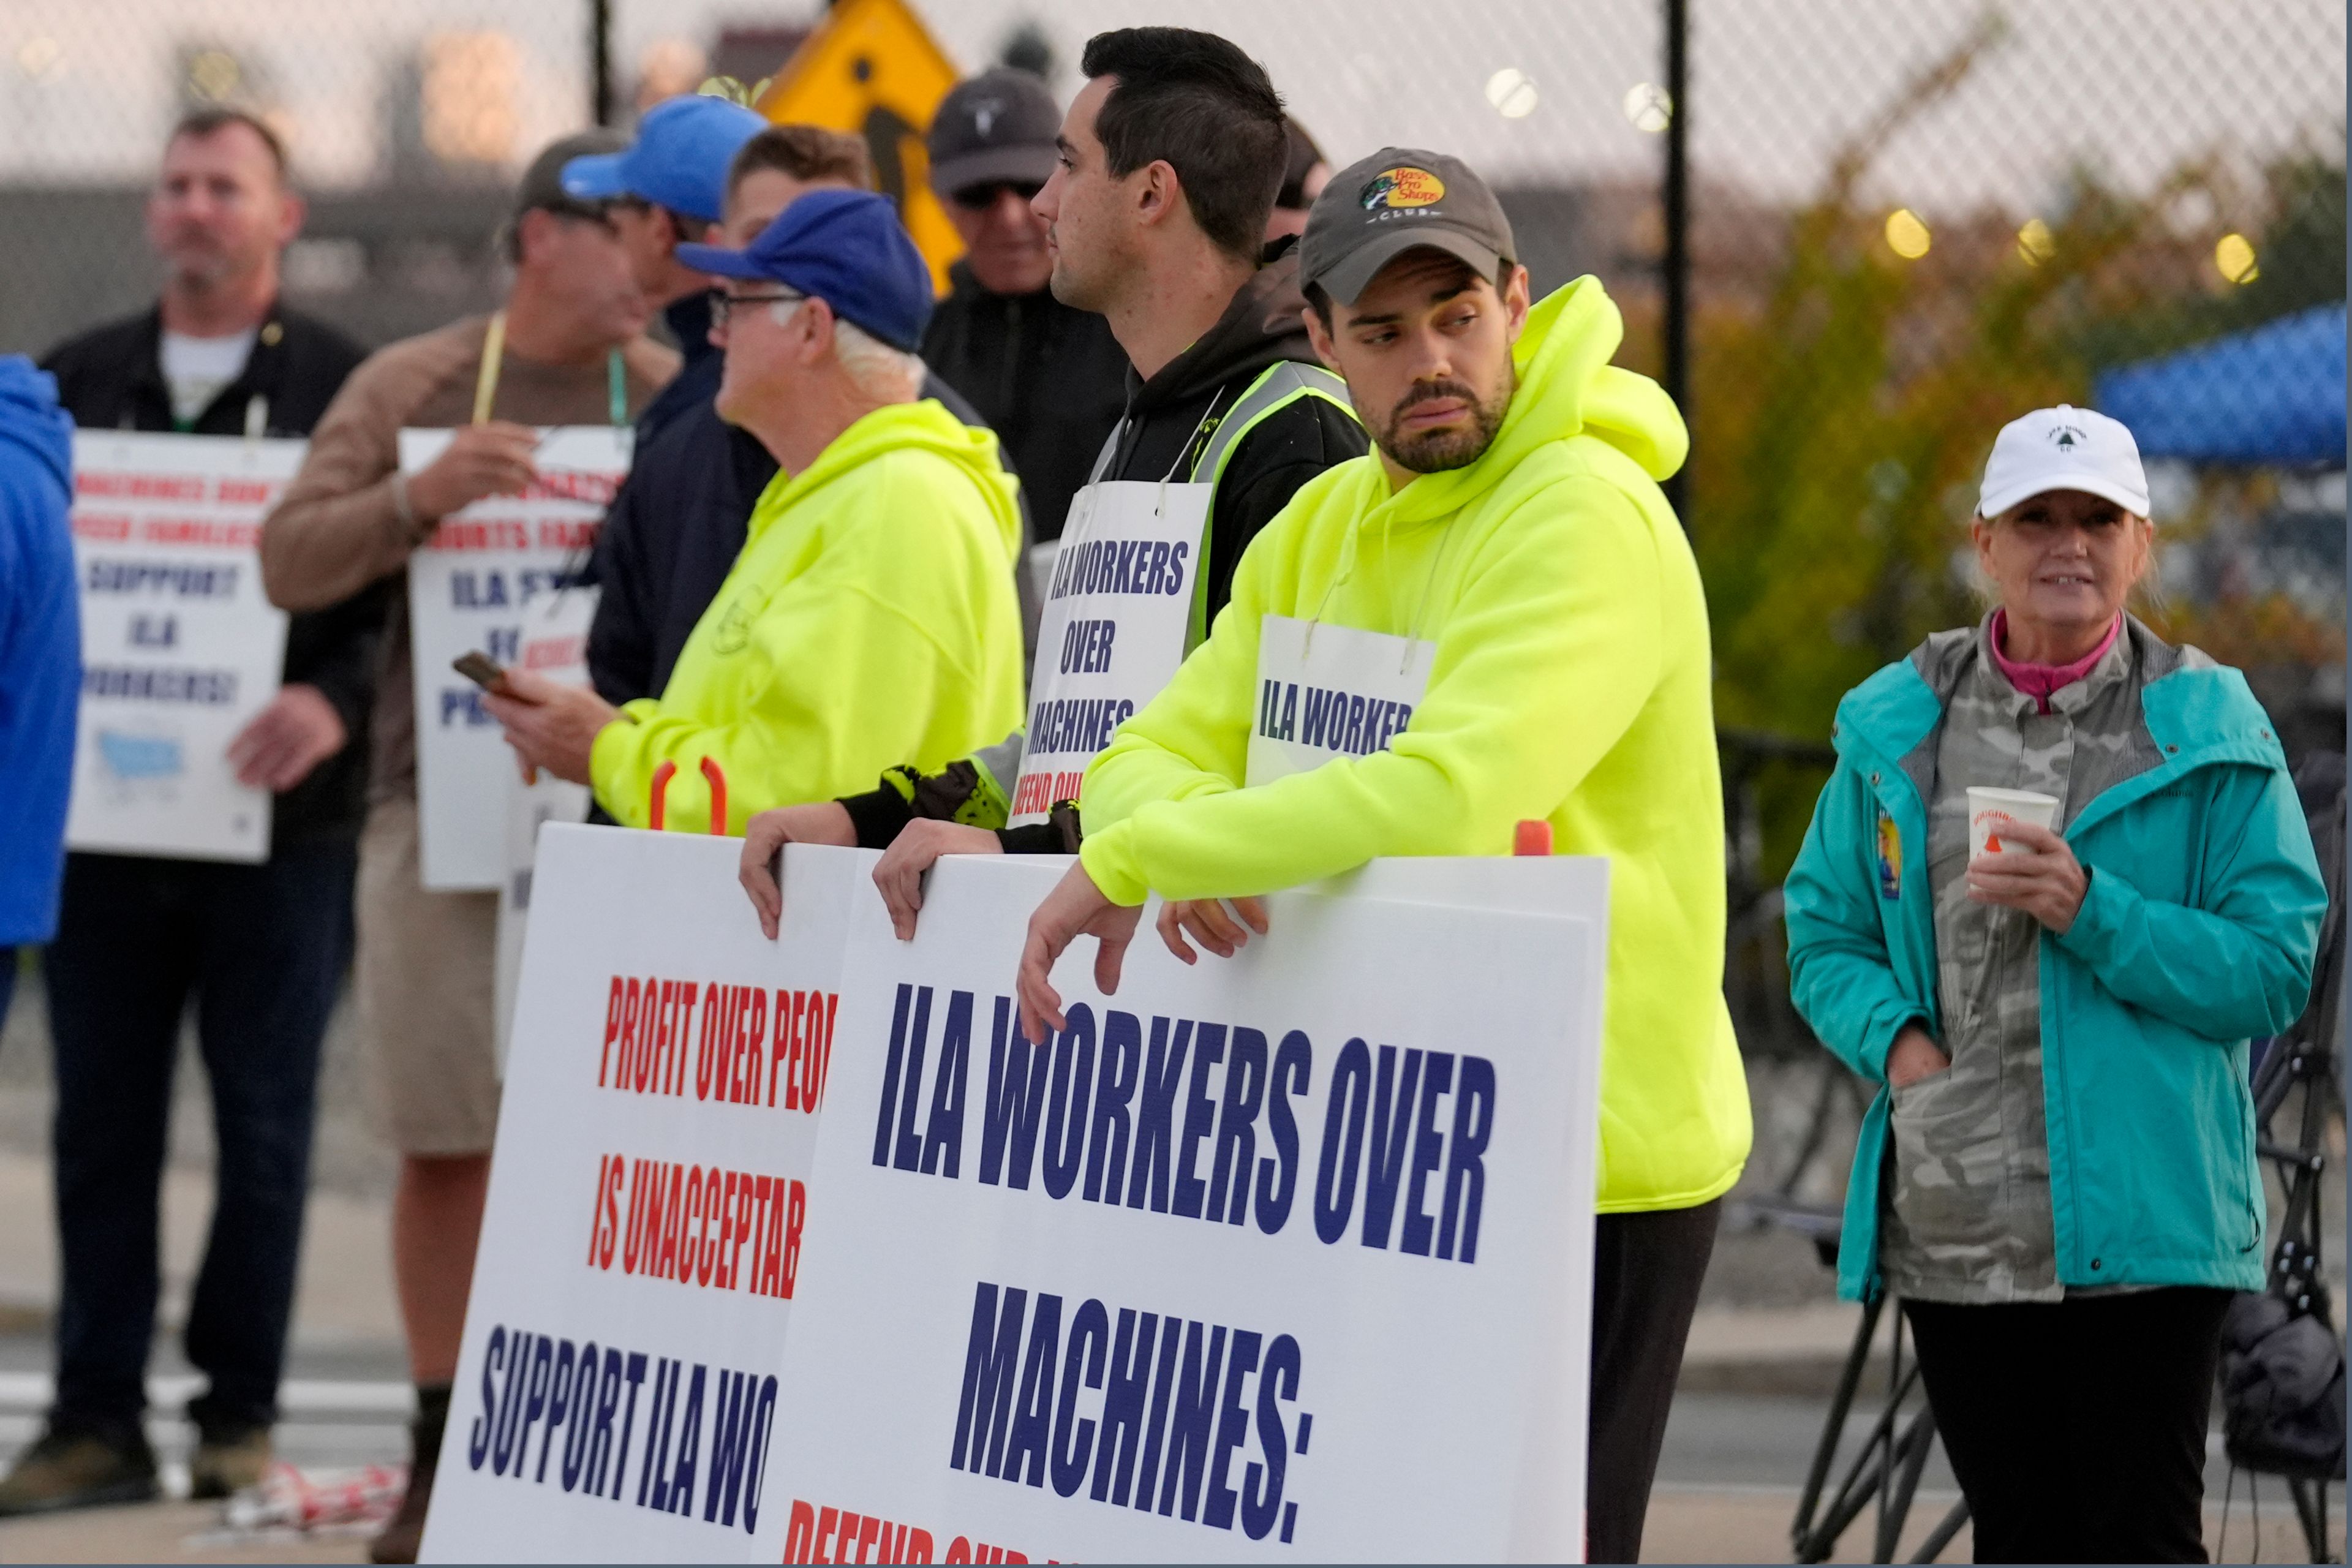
(541, 186)
(1400, 199)
(997, 128)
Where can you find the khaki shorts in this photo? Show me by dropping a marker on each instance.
(427, 968)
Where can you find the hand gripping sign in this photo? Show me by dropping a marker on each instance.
(1281, 1257)
(498, 577)
(618, 1394)
(180, 646)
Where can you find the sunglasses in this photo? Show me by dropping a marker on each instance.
(980, 198)
(723, 304)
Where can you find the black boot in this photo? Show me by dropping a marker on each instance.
(398, 1541)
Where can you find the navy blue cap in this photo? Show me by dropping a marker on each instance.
(845, 248)
(678, 161)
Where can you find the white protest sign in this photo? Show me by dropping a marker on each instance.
(497, 578)
(1282, 1257)
(617, 1393)
(530, 807)
(180, 646)
(1327, 690)
(1118, 607)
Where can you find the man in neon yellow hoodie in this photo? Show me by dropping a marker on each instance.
(1512, 623)
(871, 617)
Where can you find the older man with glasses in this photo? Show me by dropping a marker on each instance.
(871, 614)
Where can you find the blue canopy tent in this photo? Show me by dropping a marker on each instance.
(2270, 395)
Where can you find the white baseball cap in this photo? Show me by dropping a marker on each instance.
(2064, 449)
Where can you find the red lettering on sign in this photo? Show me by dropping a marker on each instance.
(831, 1534)
(199, 531)
(554, 653)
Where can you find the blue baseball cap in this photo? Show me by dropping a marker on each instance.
(845, 248)
(678, 161)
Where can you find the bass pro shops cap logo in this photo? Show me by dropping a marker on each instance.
(1403, 187)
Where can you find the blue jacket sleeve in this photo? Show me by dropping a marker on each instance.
(1840, 975)
(2238, 964)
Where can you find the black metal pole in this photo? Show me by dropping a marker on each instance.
(600, 61)
(1677, 265)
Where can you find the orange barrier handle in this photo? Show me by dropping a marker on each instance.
(1532, 837)
(718, 778)
(654, 812)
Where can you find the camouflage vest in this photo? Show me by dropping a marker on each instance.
(1968, 1216)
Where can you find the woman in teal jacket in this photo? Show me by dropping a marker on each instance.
(2058, 1177)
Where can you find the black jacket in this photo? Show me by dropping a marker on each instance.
(697, 379)
(1049, 379)
(111, 378)
(1170, 418)
(672, 536)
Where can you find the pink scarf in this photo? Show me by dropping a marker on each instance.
(2038, 680)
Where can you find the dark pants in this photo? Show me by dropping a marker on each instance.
(259, 950)
(2078, 1427)
(1646, 1270)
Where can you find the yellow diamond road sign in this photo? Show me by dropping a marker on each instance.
(873, 69)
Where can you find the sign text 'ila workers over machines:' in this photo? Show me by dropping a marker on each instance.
(1282, 1257)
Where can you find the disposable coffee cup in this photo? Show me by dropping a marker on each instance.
(1991, 810)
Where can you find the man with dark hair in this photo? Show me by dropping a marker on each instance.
(1196, 103)
(668, 188)
(680, 520)
(1049, 378)
(1507, 579)
(259, 950)
(567, 348)
(1168, 162)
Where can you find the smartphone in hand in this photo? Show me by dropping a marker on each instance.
(483, 671)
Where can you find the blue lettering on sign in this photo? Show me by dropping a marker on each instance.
(160, 577)
(1076, 723)
(1328, 719)
(1146, 566)
(1195, 1119)
(462, 707)
(136, 683)
(1087, 645)
(533, 1381)
(479, 590)
(1157, 1433)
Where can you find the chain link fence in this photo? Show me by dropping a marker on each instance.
(1905, 222)
(1905, 225)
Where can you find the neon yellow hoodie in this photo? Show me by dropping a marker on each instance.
(1570, 682)
(870, 620)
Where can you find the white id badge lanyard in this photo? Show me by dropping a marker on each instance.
(1118, 607)
(1326, 691)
